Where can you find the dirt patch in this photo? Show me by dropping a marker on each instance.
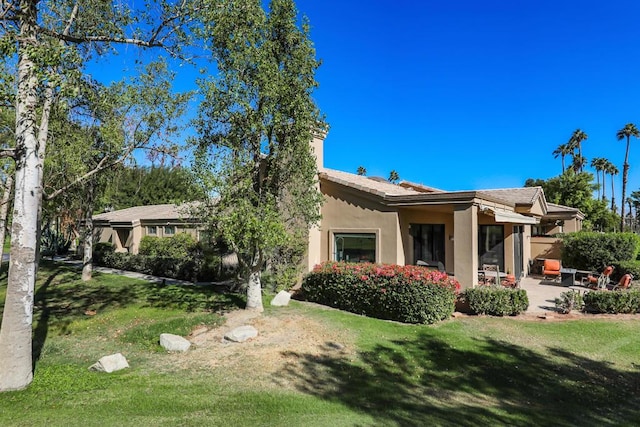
(284, 340)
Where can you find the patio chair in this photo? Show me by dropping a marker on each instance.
(605, 278)
(551, 269)
(623, 283)
(490, 274)
(431, 265)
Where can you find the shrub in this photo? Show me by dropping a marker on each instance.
(623, 267)
(496, 301)
(615, 302)
(570, 300)
(101, 250)
(594, 251)
(409, 294)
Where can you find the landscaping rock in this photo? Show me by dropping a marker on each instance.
(172, 342)
(282, 299)
(111, 363)
(241, 334)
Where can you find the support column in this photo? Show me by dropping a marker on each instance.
(465, 245)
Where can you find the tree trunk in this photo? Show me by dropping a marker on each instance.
(254, 292)
(625, 174)
(87, 255)
(604, 187)
(4, 210)
(613, 196)
(16, 332)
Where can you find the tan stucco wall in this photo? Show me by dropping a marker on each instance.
(351, 213)
(546, 247)
(465, 247)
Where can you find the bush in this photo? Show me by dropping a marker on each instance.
(614, 302)
(496, 301)
(102, 250)
(594, 251)
(623, 267)
(570, 300)
(408, 294)
(177, 257)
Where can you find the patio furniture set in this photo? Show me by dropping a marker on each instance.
(553, 270)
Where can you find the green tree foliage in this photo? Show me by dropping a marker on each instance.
(142, 186)
(255, 127)
(362, 171)
(576, 190)
(626, 132)
(49, 43)
(594, 251)
(393, 177)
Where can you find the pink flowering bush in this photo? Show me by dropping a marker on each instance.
(408, 294)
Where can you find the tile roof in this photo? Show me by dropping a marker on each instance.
(553, 208)
(151, 212)
(517, 196)
(377, 186)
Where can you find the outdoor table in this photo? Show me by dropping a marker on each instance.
(568, 276)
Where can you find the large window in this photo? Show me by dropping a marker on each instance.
(428, 242)
(491, 245)
(355, 247)
(169, 230)
(152, 230)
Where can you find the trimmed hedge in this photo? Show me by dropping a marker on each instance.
(408, 294)
(496, 301)
(177, 257)
(613, 302)
(594, 251)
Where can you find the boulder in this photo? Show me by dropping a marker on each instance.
(241, 334)
(281, 299)
(111, 363)
(172, 342)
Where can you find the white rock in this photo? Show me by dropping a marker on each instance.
(172, 342)
(241, 334)
(111, 363)
(281, 299)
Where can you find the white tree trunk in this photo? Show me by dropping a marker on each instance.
(254, 292)
(16, 332)
(4, 210)
(87, 256)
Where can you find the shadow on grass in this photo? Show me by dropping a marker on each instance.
(428, 381)
(62, 297)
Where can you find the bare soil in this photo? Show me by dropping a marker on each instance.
(284, 341)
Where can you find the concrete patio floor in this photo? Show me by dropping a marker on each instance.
(542, 294)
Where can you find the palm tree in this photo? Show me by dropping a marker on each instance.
(562, 151)
(612, 170)
(576, 142)
(362, 171)
(393, 177)
(627, 132)
(578, 163)
(598, 163)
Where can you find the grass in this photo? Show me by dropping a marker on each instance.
(466, 372)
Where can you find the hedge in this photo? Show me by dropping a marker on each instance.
(594, 251)
(614, 302)
(408, 294)
(496, 301)
(177, 257)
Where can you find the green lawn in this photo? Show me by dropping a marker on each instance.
(466, 372)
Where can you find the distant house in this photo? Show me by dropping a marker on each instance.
(126, 227)
(368, 219)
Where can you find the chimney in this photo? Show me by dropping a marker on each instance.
(317, 146)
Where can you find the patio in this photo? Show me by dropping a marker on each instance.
(541, 293)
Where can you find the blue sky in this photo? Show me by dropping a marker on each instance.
(475, 94)
(461, 94)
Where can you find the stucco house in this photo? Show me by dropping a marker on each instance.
(126, 227)
(367, 219)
